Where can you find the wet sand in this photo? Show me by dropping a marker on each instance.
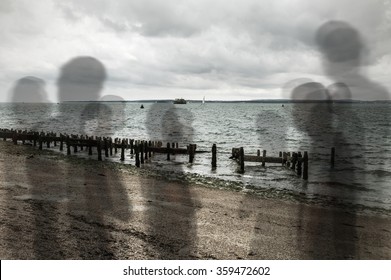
(58, 207)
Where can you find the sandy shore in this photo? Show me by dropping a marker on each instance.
(58, 207)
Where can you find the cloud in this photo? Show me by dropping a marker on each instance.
(241, 49)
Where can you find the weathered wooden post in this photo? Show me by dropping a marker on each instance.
(191, 150)
(299, 164)
(258, 153)
(89, 144)
(61, 142)
(106, 147)
(74, 146)
(136, 151)
(168, 151)
(67, 142)
(40, 142)
(294, 161)
(289, 158)
(111, 146)
(55, 140)
(305, 166)
(141, 145)
(263, 157)
(81, 138)
(99, 148)
(241, 159)
(146, 149)
(131, 146)
(15, 139)
(115, 145)
(149, 146)
(214, 156)
(332, 159)
(47, 140)
(34, 139)
(122, 150)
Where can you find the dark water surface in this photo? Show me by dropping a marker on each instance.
(252, 126)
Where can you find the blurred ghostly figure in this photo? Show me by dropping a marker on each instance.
(336, 125)
(96, 196)
(343, 50)
(27, 97)
(29, 90)
(171, 124)
(81, 79)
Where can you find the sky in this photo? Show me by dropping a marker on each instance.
(221, 49)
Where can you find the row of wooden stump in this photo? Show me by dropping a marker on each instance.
(142, 150)
(295, 161)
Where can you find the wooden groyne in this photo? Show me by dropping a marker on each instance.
(295, 161)
(141, 150)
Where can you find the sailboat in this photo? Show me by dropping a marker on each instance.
(203, 100)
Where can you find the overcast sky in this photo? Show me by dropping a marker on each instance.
(220, 49)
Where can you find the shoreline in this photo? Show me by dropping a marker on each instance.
(59, 207)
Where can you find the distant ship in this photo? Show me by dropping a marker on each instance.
(180, 101)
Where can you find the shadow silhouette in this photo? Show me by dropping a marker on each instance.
(171, 211)
(336, 124)
(26, 97)
(98, 196)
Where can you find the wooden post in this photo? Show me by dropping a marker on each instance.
(106, 147)
(47, 140)
(191, 150)
(149, 150)
(299, 163)
(75, 147)
(141, 145)
(214, 156)
(146, 149)
(40, 142)
(61, 142)
(89, 146)
(332, 159)
(305, 166)
(293, 161)
(258, 153)
(131, 146)
(81, 142)
(55, 141)
(241, 159)
(263, 157)
(111, 146)
(284, 158)
(168, 151)
(34, 139)
(122, 150)
(136, 151)
(99, 148)
(67, 142)
(115, 145)
(14, 138)
(288, 163)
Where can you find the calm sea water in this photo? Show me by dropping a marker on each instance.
(359, 131)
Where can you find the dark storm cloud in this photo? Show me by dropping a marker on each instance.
(248, 46)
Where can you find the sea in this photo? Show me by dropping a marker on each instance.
(359, 132)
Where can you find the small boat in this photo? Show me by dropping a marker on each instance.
(180, 101)
(142, 106)
(203, 100)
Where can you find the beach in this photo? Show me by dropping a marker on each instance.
(58, 207)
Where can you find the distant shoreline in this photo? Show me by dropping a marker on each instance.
(262, 101)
